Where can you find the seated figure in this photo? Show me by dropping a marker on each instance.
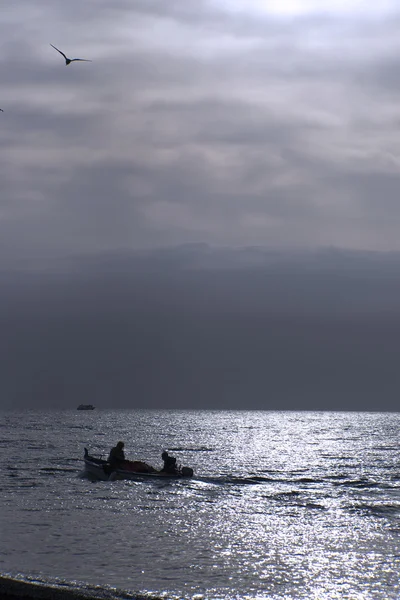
(169, 463)
(116, 457)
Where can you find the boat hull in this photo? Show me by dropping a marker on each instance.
(99, 469)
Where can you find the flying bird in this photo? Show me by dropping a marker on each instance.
(1, 110)
(69, 60)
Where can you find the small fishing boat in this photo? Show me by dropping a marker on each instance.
(86, 407)
(99, 468)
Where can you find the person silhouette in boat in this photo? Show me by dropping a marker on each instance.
(170, 465)
(117, 456)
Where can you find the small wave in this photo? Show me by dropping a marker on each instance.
(40, 447)
(358, 483)
(377, 510)
(254, 479)
(233, 480)
(248, 480)
(294, 498)
(251, 480)
(57, 469)
(285, 495)
(315, 506)
(394, 530)
(200, 449)
(293, 472)
(29, 484)
(260, 478)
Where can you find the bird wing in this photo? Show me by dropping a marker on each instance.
(62, 53)
(80, 59)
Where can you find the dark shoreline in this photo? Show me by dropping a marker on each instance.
(13, 589)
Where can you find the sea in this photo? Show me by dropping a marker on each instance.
(282, 505)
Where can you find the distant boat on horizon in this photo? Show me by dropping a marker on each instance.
(86, 407)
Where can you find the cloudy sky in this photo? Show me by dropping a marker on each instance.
(146, 199)
(225, 121)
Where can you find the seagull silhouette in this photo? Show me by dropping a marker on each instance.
(69, 60)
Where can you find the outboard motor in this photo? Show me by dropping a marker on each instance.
(187, 472)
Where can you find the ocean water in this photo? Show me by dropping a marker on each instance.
(283, 505)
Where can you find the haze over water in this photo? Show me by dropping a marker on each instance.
(283, 505)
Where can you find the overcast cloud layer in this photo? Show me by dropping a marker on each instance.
(198, 121)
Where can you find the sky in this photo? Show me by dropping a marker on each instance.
(227, 121)
(212, 133)
(199, 327)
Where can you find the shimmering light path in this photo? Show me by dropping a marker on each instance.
(283, 505)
